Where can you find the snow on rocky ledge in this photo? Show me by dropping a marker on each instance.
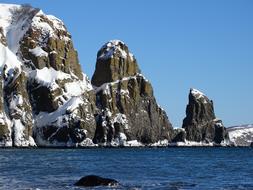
(114, 47)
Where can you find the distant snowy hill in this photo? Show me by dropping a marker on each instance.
(241, 135)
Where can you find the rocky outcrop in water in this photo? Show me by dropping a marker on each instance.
(125, 98)
(46, 100)
(200, 123)
(94, 181)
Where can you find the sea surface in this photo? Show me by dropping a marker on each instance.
(134, 168)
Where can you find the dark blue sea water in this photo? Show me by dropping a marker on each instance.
(143, 168)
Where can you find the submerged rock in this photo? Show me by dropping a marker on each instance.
(200, 123)
(93, 181)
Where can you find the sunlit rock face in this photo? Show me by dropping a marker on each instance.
(47, 98)
(128, 109)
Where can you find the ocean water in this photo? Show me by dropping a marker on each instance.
(134, 168)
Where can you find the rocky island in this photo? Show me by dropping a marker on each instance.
(47, 101)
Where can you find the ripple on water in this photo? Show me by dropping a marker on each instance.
(152, 169)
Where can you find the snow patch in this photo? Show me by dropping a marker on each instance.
(15, 104)
(58, 24)
(77, 88)
(8, 59)
(197, 93)
(133, 143)
(48, 76)
(191, 143)
(241, 135)
(106, 86)
(19, 137)
(47, 30)
(57, 117)
(121, 119)
(161, 143)
(114, 47)
(38, 52)
(87, 143)
(15, 20)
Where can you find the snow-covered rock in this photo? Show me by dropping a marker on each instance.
(46, 100)
(129, 112)
(241, 135)
(44, 93)
(200, 123)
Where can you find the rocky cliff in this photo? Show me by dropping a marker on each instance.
(45, 95)
(46, 100)
(200, 123)
(128, 109)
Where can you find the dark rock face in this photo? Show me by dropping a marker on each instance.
(128, 108)
(4, 131)
(200, 123)
(2, 37)
(179, 135)
(93, 181)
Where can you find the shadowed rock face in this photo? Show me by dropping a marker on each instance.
(4, 131)
(93, 181)
(200, 122)
(2, 37)
(125, 98)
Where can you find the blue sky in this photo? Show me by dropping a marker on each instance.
(179, 44)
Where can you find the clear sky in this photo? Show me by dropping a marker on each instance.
(179, 44)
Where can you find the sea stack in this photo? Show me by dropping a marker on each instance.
(200, 123)
(128, 108)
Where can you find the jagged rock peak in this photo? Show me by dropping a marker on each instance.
(114, 48)
(200, 122)
(129, 111)
(114, 62)
(194, 93)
